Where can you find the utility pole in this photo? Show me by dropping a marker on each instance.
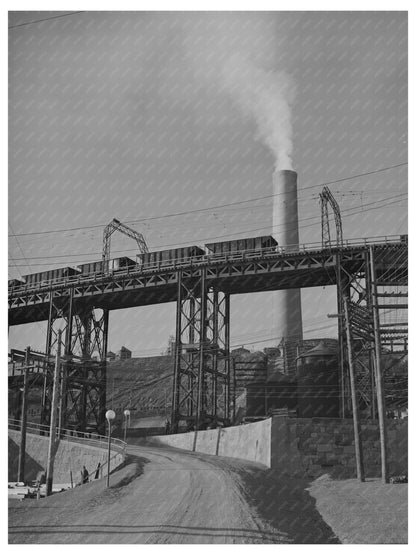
(381, 407)
(22, 446)
(52, 429)
(200, 406)
(355, 415)
(234, 389)
(110, 415)
(62, 399)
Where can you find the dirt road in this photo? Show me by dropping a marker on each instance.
(169, 496)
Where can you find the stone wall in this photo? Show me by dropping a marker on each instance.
(316, 446)
(70, 457)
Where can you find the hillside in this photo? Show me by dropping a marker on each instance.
(144, 385)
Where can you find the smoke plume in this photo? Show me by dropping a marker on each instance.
(237, 54)
(267, 97)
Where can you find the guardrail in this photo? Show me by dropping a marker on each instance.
(72, 436)
(205, 259)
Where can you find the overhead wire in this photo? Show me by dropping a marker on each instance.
(91, 235)
(27, 265)
(198, 210)
(45, 19)
(71, 255)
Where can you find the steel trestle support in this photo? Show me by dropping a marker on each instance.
(83, 369)
(359, 320)
(354, 288)
(361, 288)
(201, 385)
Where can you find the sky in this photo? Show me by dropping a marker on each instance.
(143, 115)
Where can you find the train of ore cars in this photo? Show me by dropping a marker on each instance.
(252, 247)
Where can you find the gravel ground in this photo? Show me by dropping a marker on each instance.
(164, 495)
(363, 513)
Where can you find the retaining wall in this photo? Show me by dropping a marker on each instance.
(70, 456)
(248, 441)
(316, 446)
(302, 446)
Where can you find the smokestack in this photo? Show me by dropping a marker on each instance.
(285, 208)
(287, 303)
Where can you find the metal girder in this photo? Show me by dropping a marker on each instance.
(326, 197)
(267, 272)
(116, 225)
(201, 386)
(38, 366)
(202, 292)
(373, 329)
(114, 292)
(355, 287)
(83, 368)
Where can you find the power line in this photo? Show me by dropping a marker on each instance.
(198, 210)
(20, 248)
(44, 19)
(28, 266)
(219, 215)
(203, 240)
(176, 245)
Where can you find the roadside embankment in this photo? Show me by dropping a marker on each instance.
(71, 455)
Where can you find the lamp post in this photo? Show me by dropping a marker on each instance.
(110, 415)
(126, 417)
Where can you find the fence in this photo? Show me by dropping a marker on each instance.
(118, 447)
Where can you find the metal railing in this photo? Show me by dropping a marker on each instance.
(208, 258)
(73, 436)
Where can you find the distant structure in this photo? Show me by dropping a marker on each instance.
(110, 355)
(171, 346)
(123, 354)
(239, 351)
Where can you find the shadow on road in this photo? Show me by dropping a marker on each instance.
(287, 506)
(286, 511)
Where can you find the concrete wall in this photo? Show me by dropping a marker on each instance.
(70, 456)
(249, 441)
(316, 446)
(302, 447)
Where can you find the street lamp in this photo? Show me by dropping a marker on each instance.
(110, 415)
(126, 417)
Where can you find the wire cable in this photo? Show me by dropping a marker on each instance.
(186, 243)
(45, 19)
(198, 210)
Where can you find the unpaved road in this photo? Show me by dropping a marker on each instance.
(164, 495)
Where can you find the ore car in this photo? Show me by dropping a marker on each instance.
(250, 244)
(49, 276)
(15, 282)
(170, 257)
(113, 265)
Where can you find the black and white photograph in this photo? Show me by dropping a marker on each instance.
(207, 275)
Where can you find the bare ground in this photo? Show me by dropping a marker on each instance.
(163, 495)
(363, 513)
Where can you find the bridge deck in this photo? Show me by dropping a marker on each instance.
(231, 274)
